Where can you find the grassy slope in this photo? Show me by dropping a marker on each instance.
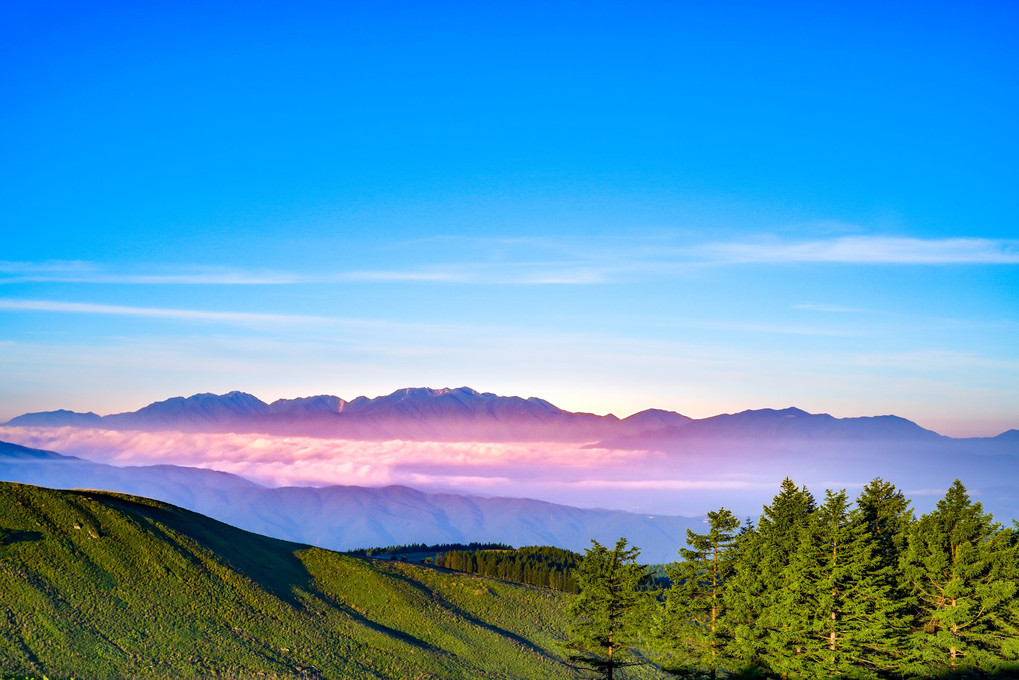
(102, 585)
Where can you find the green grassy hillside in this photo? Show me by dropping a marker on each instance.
(102, 585)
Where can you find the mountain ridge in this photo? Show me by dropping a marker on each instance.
(464, 414)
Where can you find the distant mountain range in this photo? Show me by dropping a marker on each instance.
(665, 464)
(348, 517)
(459, 414)
(464, 414)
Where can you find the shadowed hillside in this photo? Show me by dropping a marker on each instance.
(103, 585)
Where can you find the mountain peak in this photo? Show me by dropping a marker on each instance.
(320, 403)
(58, 418)
(431, 392)
(203, 409)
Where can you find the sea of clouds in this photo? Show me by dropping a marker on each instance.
(555, 471)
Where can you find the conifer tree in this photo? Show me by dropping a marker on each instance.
(839, 607)
(761, 638)
(961, 569)
(888, 517)
(612, 610)
(692, 626)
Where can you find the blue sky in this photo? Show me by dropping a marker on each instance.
(613, 206)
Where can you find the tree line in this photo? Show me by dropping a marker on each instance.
(412, 548)
(543, 566)
(810, 590)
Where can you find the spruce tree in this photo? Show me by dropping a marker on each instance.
(838, 606)
(961, 569)
(692, 627)
(888, 517)
(761, 638)
(611, 612)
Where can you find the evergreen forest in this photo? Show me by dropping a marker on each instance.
(833, 589)
(417, 548)
(543, 566)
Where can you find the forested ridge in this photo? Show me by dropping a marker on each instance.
(816, 590)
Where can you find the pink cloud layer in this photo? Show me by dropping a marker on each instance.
(568, 473)
(308, 461)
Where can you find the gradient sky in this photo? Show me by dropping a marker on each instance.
(704, 207)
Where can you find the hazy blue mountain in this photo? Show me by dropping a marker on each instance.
(776, 425)
(346, 517)
(59, 418)
(10, 453)
(654, 419)
(1009, 436)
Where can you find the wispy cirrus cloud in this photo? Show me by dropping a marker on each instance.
(498, 273)
(419, 270)
(46, 267)
(80, 271)
(551, 261)
(869, 250)
(153, 312)
(578, 261)
(252, 320)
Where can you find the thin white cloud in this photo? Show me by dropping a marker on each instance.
(870, 250)
(153, 312)
(567, 261)
(495, 273)
(78, 271)
(599, 261)
(564, 261)
(770, 328)
(209, 278)
(51, 267)
(396, 276)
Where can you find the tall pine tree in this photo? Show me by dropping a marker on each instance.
(612, 611)
(887, 514)
(961, 569)
(760, 638)
(692, 627)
